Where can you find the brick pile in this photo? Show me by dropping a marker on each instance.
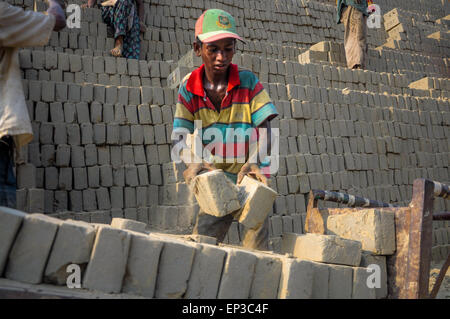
(125, 258)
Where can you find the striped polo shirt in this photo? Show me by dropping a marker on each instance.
(246, 105)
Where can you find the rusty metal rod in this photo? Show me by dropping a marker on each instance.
(441, 276)
(350, 200)
(441, 216)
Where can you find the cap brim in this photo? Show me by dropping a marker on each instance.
(216, 36)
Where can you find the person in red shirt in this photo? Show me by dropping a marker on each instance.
(225, 99)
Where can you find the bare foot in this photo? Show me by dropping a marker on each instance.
(117, 51)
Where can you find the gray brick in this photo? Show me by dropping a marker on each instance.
(96, 112)
(98, 63)
(119, 114)
(89, 200)
(80, 178)
(133, 67)
(134, 96)
(63, 155)
(26, 176)
(51, 178)
(112, 134)
(137, 135)
(155, 175)
(131, 176)
(103, 155)
(48, 91)
(158, 96)
(160, 134)
(60, 133)
(28, 265)
(34, 91)
(86, 133)
(38, 59)
(77, 156)
(99, 133)
(122, 95)
(103, 199)
(119, 176)
(35, 202)
(69, 112)
(146, 94)
(42, 112)
(74, 92)
(110, 65)
(127, 155)
(82, 110)
(116, 156)
(121, 66)
(164, 153)
(131, 114)
(65, 178)
(129, 197)
(46, 133)
(61, 92)
(141, 196)
(111, 95)
(117, 197)
(75, 63)
(48, 155)
(99, 93)
(93, 176)
(76, 201)
(111, 245)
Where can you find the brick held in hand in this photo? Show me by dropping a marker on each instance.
(215, 193)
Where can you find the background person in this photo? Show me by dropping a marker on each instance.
(126, 18)
(18, 28)
(353, 14)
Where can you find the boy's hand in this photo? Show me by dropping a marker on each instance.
(253, 171)
(194, 169)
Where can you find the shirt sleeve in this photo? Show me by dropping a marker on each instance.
(19, 28)
(184, 117)
(261, 105)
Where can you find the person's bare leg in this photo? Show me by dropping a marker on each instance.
(117, 51)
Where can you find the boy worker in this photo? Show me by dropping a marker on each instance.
(224, 99)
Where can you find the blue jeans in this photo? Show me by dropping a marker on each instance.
(8, 183)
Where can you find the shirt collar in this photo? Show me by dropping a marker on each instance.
(195, 81)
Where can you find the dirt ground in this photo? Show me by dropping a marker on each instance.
(444, 291)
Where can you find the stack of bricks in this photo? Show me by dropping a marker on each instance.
(123, 258)
(410, 33)
(102, 125)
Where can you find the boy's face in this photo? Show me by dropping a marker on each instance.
(217, 56)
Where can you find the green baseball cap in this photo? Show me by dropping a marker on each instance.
(216, 24)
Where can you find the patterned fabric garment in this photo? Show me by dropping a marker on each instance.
(123, 17)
